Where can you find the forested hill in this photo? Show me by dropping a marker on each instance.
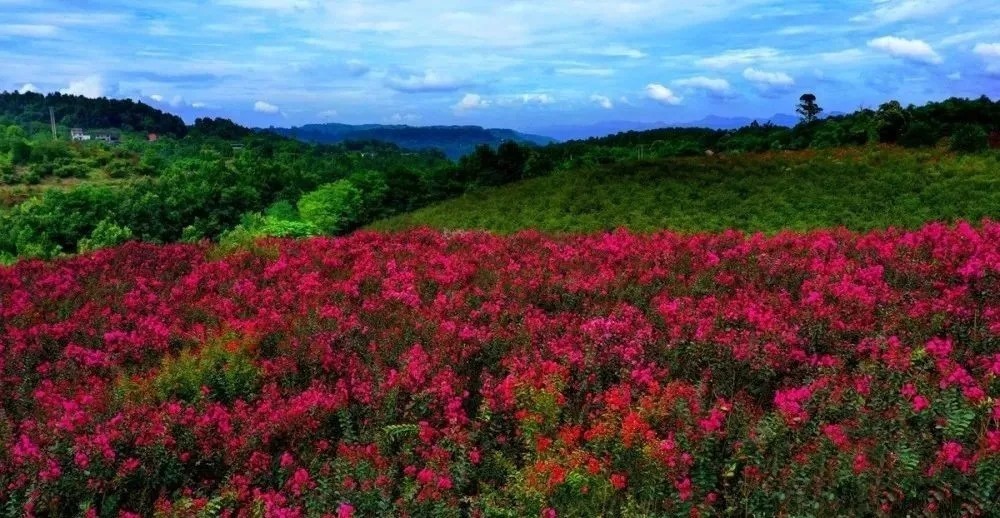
(454, 141)
(29, 109)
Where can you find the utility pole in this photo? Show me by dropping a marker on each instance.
(52, 119)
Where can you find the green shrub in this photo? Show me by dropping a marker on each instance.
(228, 372)
(105, 235)
(333, 208)
(970, 138)
(919, 134)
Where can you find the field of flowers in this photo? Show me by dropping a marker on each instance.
(466, 374)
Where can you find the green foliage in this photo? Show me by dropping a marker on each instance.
(332, 208)
(970, 139)
(20, 152)
(919, 134)
(860, 190)
(105, 235)
(227, 371)
(808, 108)
(890, 121)
(78, 111)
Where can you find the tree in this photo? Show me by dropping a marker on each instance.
(333, 208)
(808, 108)
(890, 122)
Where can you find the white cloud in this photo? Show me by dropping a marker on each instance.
(91, 86)
(909, 50)
(429, 81)
(199, 105)
(28, 30)
(602, 101)
(28, 87)
(955, 76)
(272, 5)
(470, 102)
(265, 107)
(990, 52)
(327, 114)
(716, 86)
(156, 97)
(535, 99)
(892, 11)
(583, 71)
(621, 51)
(797, 30)
(768, 79)
(403, 118)
(987, 50)
(731, 58)
(662, 94)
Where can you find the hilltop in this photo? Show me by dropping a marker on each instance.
(31, 110)
(454, 141)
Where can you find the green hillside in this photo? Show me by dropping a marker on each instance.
(860, 189)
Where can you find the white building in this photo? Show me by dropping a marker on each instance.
(77, 134)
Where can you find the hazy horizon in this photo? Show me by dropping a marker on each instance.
(516, 65)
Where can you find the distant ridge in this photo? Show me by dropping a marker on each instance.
(454, 141)
(601, 129)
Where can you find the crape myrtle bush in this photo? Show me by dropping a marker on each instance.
(466, 374)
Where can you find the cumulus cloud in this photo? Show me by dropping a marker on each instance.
(156, 97)
(265, 107)
(736, 57)
(92, 86)
(327, 114)
(428, 81)
(715, 86)
(199, 105)
(602, 101)
(910, 50)
(470, 102)
(768, 79)
(662, 94)
(28, 87)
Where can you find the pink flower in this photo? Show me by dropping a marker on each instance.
(920, 403)
(685, 488)
(345, 510)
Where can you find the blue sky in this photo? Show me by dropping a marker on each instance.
(514, 63)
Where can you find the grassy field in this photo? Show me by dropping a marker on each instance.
(859, 188)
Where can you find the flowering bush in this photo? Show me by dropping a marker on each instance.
(422, 374)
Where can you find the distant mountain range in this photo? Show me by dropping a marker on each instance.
(454, 141)
(600, 129)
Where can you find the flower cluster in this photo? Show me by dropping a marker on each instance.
(427, 373)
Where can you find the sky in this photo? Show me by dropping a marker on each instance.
(519, 64)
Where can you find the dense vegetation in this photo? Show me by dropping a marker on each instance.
(32, 110)
(454, 141)
(860, 189)
(423, 374)
(222, 181)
